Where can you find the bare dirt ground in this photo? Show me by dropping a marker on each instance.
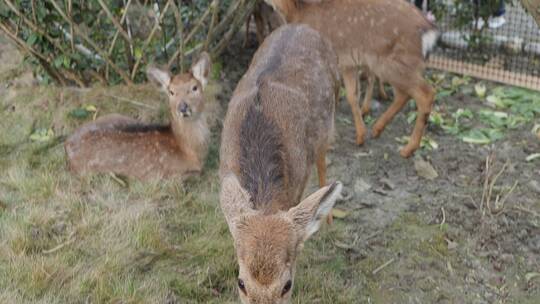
(398, 238)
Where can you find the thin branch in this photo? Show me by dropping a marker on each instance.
(115, 37)
(133, 102)
(45, 62)
(91, 43)
(191, 34)
(149, 39)
(233, 28)
(378, 269)
(215, 10)
(180, 34)
(115, 22)
(72, 40)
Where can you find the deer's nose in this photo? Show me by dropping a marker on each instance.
(183, 107)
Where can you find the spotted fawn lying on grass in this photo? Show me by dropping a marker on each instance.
(391, 38)
(125, 146)
(278, 124)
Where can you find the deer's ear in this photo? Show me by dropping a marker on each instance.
(308, 215)
(159, 76)
(234, 201)
(201, 69)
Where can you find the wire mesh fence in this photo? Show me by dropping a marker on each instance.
(494, 40)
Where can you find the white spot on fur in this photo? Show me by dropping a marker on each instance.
(429, 39)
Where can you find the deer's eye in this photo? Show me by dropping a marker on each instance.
(286, 288)
(194, 88)
(171, 93)
(242, 286)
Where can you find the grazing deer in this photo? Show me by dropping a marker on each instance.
(278, 124)
(391, 38)
(266, 20)
(122, 145)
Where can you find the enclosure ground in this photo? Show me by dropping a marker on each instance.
(398, 238)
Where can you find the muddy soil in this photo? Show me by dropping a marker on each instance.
(440, 244)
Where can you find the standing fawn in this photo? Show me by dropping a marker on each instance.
(278, 124)
(391, 38)
(122, 145)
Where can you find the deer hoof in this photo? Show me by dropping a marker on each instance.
(406, 152)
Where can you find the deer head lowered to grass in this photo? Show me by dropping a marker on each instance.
(392, 38)
(278, 124)
(122, 145)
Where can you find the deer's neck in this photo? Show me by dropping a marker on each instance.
(288, 9)
(192, 136)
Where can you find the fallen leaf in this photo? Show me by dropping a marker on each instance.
(482, 136)
(79, 113)
(42, 135)
(480, 90)
(425, 169)
(90, 108)
(451, 244)
(496, 101)
(339, 214)
(388, 183)
(532, 157)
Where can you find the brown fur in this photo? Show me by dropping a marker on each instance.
(266, 21)
(384, 35)
(122, 145)
(278, 124)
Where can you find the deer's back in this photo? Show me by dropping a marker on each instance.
(370, 32)
(122, 145)
(280, 114)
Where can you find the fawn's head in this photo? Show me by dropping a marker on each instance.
(185, 91)
(267, 244)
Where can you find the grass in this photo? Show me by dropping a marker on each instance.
(69, 239)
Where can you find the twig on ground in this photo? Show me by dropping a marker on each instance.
(523, 209)
(492, 184)
(130, 101)
(443, 218)
(499, 205)
(378, 269)
(487, 173)
(70, 240)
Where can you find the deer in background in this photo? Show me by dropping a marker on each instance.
(266, 20)
(122, 145)
(391, 38)
(278, 124)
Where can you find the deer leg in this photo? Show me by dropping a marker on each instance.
(321, 172)
(260, 25)
(400, 99)
(382, 92)
(246, 38)
(321, 165)
(366, 105)
(424, 96)
(350, 79)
